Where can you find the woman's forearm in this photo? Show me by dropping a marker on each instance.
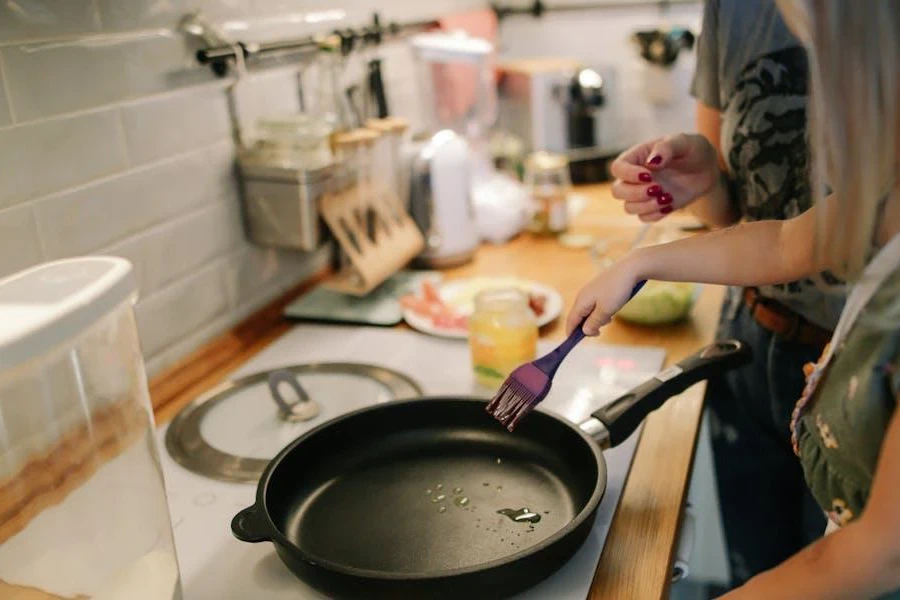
(716, 209)
(843, 565)
(749, 254)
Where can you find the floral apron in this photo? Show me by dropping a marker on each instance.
(839, 423)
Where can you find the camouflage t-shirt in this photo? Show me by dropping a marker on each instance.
(754, 71)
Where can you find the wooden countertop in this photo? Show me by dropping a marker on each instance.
(637, 559)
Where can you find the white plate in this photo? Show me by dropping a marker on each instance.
(451, 291)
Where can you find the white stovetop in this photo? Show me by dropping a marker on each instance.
(214, 565)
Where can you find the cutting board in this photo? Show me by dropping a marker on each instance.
(381, 307)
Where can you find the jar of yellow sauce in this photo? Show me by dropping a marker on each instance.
(503, 334)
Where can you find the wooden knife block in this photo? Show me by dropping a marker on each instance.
(396, 240)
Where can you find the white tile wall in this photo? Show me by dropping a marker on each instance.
(178, 247)
(183, 307)
(19, 244)
(51, 79)
(93, 216)
(125, 148)
(48, 156)
(5, 115)
(47, 19)
(160, 127)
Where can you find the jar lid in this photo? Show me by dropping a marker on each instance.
(356, 137)
(546, 161)
(232, 432)
(45, 306)
(393, 125)
(299, 127)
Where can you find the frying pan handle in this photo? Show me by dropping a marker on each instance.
(250, 526)
(623, 415)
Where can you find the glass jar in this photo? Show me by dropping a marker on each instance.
(548, 182)
(295, 142)
(503, 335)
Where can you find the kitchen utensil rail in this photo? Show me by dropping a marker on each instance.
(219, 57)
(538, 8)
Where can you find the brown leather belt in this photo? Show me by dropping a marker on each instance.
(782, 321)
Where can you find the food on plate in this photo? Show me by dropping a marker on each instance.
(429, 305)
(659, 302)
(537, 303)
(452, 310)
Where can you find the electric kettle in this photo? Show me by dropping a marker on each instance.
(440, 199)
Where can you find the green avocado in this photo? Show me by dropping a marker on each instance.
(658, 303)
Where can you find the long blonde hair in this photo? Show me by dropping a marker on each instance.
(854, 55)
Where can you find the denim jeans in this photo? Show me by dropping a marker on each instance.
(768, 513)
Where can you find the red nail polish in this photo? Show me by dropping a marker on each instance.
(655, 160)
(665, 199)
(655, 190)
(645, 177)
(665, 209)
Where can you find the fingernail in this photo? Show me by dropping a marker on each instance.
(655, 190)
(665, 209)
(665, 199)
(645, 177)
(655, 160)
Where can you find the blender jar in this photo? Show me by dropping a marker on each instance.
(83, 510)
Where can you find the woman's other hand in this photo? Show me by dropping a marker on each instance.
(657, 177)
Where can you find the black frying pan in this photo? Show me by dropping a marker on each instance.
(354, 507)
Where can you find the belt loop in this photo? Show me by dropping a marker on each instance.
(793, 333)
(755, 300)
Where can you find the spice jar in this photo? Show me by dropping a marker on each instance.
(503, 334)
(547, 179)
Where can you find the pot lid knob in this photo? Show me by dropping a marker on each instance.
(301, 409)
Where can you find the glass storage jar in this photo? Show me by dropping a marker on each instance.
(547, 179)
(503, 334)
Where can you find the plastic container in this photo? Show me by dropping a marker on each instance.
(83, 508)
(503, 334)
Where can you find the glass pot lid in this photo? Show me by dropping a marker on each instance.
(232, 432)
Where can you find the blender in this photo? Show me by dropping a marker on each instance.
(442, 164)
(456, 195)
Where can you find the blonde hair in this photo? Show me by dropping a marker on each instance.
(854, 56)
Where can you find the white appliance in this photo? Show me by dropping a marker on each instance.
(441, 200)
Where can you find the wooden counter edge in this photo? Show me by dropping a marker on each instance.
(638, 555)
(639, 552)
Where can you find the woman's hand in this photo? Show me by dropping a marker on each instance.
(655, 178)
(602, 297)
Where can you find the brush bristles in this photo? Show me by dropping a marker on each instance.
(511, 403)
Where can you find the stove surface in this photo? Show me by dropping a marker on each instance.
(214, 565)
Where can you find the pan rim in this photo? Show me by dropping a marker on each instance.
(277, 537)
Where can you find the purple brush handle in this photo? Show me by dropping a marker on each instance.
(550, 362)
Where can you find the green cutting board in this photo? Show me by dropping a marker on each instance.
(380, 307)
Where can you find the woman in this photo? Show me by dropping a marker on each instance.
(751, 162)
(844, 428)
